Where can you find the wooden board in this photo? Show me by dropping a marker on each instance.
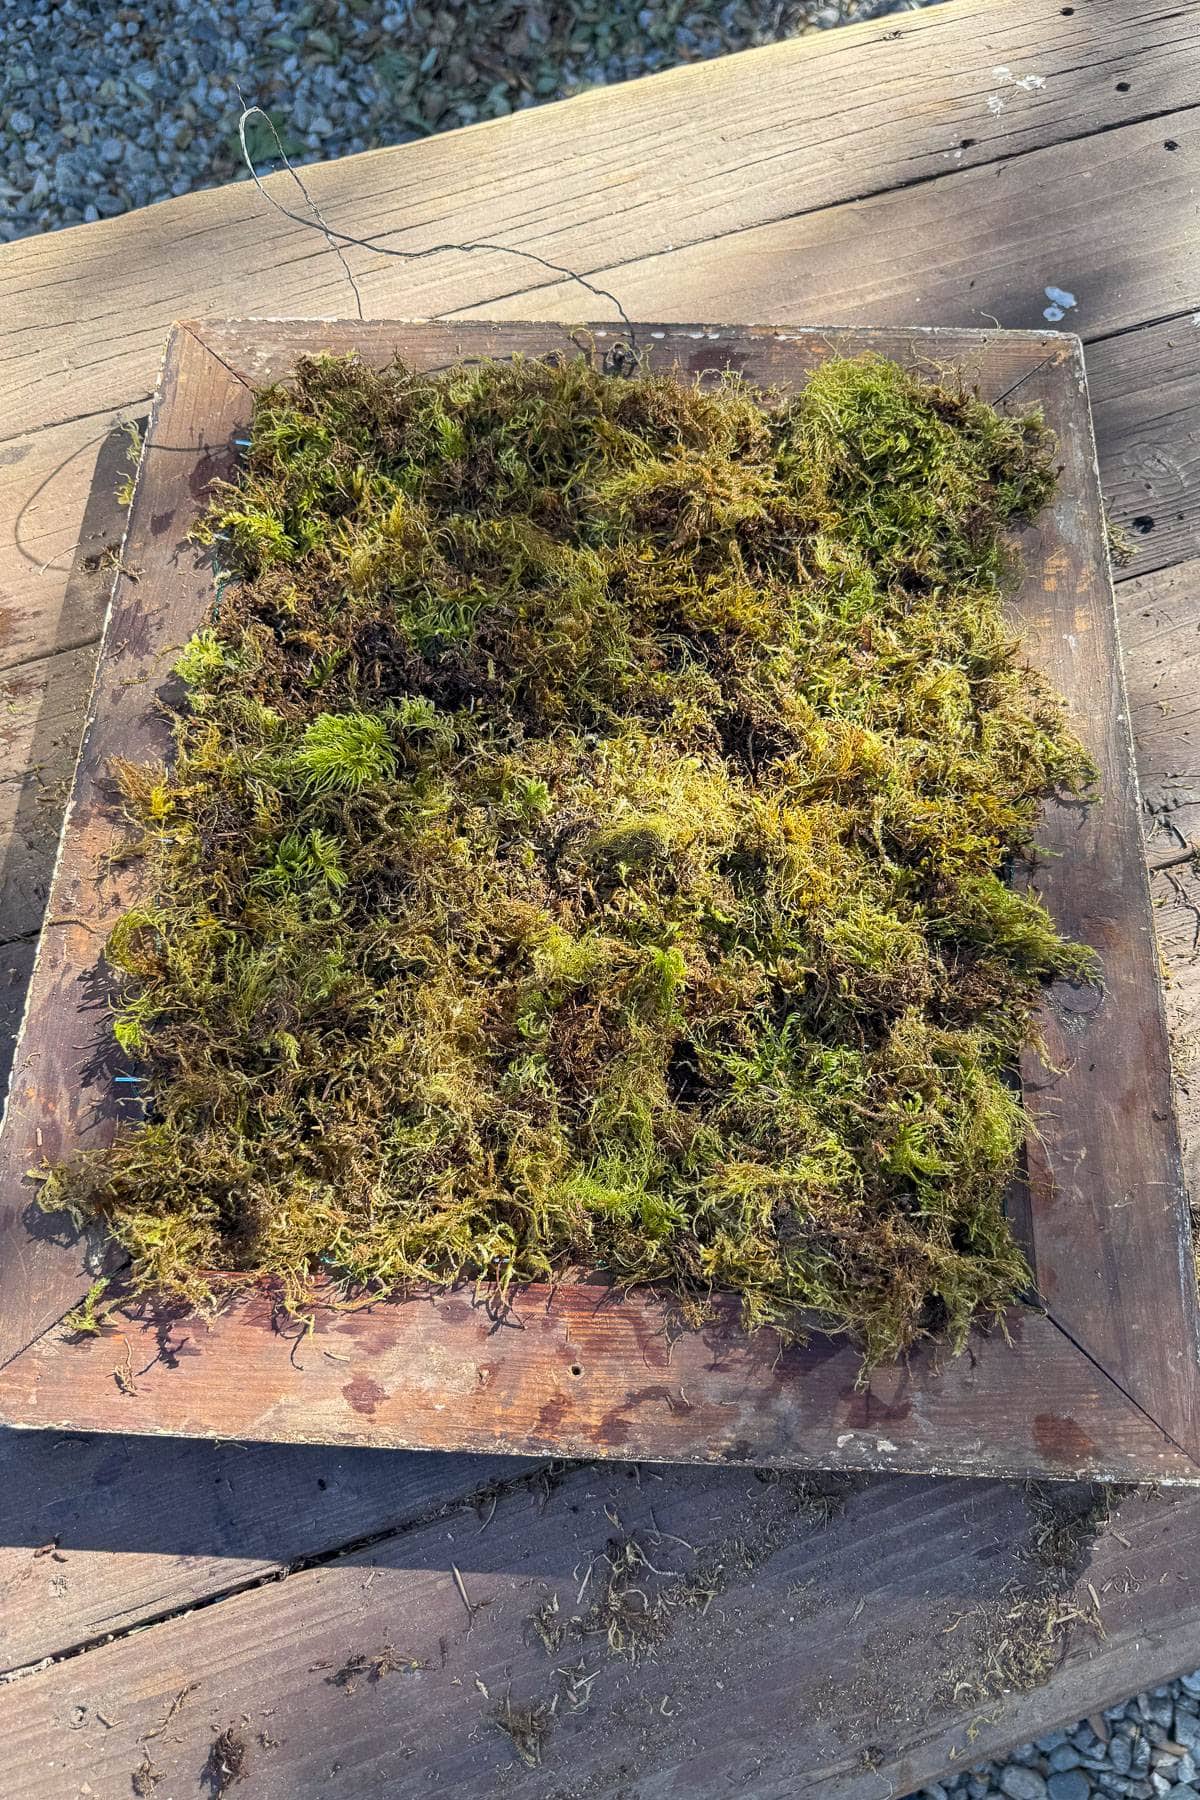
(82, 322)
(1101, 1383)
(788, 1655)
(695, 155)
(80, 1561)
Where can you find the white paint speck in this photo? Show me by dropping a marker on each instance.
(886, 1446)
(846, 1438)
(1004, 76)
(1060, 302)
(995, 105)
(1196, 318)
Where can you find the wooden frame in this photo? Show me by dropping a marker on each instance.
(1099, 1379)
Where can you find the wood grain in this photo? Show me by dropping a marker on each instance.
(48, 601)
(1146, 388)
(1104, 1173)
(574, 1377)
(962, 251)
(696, 154)
(83, 1556)
(777, 1674)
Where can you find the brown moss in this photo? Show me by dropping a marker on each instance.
(588, 844)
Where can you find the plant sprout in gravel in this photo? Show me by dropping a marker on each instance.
(587, 849)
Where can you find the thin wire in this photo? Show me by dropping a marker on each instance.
(336, 239)
(248, 112)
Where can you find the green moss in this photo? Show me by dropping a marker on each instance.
(585, 848)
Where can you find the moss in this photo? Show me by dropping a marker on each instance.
(587, 847)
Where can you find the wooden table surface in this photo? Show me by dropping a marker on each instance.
(944, 167)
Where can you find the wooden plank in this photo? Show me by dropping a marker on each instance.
(1115, 226)
(16, 966)
(1103, 1194)
(100, 1534)
(41, 707)
(47, 604)
(842, 1661)
(1160, 632)
(696, 154)
(576, 1375)
(1146, 388)
(574, 1378)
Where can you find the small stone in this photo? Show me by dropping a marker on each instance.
(111, 149)
(1069, 1784)
(21, 123)
(1063, 1757)
(1019, 1783)
(1120, 1754)
(1191, 1684)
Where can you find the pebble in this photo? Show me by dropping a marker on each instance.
(105, 108)
(1072, 1784)
(1020, 1783)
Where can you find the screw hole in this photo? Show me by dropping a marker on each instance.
(576, 1369)
(1067, 11)
(1170, 144)
(1143, 524)
(1122, 87)
(967, 144)
(322, 1483)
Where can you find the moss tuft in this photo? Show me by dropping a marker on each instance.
(585, 846)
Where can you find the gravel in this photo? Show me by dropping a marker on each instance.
(104, 108)
(1148, 1747)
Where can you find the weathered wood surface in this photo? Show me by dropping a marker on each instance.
(1104, 1386)
(840, 115)
(769, 1663)
(99, 1533)
(694, 156)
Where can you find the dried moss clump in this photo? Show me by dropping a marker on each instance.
(587, 847)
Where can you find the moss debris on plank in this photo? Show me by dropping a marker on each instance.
(588, 846)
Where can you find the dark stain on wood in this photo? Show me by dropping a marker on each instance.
(364, 1395)
(1061, 1440)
